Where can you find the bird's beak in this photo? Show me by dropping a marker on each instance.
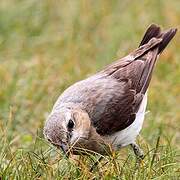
(64, 148)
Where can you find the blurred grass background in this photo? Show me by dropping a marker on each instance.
(45, 46)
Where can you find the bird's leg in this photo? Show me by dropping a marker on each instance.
(95, 164)
(137, 151)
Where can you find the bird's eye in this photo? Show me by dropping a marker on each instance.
(70, 124)
(49, 139)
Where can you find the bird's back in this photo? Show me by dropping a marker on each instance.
(113, 96)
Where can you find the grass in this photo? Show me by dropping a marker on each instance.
(47, 45)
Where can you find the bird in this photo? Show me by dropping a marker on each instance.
(105, 112)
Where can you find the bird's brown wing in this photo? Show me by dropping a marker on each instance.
(112, 97)
(134, 74)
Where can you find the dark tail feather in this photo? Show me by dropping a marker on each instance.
(166, 38)
(148, 69)
(152, 31)
(151, 55)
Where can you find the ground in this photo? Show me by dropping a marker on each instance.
(45, 46)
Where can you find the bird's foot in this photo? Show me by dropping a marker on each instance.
(138, 151)
(95, 164)
(140, 156)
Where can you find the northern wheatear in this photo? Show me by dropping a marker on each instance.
(106, 111)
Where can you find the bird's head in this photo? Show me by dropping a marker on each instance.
(64, 128)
